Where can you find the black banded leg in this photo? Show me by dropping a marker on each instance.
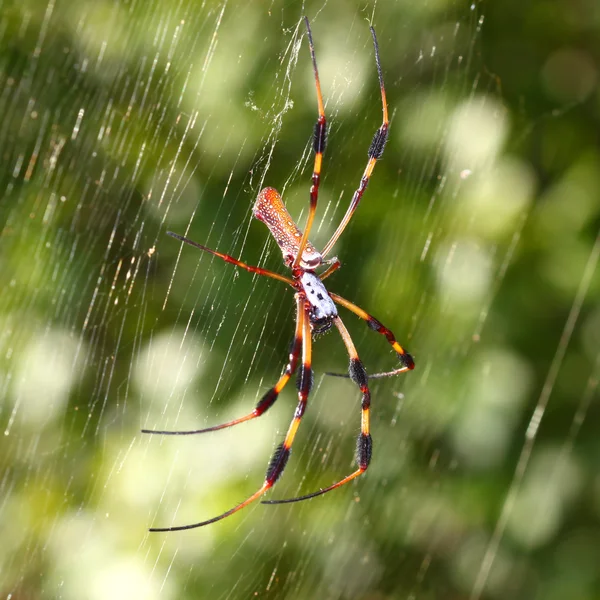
(364, 443)
(281, 455)
(304, 385)
(319, 143)
(406, 360)
(271, 396)
(375, 153)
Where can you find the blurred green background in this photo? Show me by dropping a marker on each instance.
(476, 243)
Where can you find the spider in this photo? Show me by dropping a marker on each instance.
(316, 310)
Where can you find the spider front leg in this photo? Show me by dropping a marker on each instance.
(406, 360)
(374, 154)
(282, 453)
(364, 443)
(319, 143)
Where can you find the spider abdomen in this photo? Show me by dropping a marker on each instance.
(322, 308)
(269, 209)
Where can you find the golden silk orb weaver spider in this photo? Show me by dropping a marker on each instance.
(316, 310)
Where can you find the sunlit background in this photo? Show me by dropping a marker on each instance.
(476, 243)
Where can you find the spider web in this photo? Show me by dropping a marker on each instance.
(476, 243)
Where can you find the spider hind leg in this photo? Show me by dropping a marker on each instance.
(271, 396)
(282, 452)
(364, 442)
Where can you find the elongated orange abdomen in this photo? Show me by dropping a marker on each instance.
(269, 209)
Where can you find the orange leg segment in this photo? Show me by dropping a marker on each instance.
(319, 143)
(282, 453)
(406, 360)
(375, 153)
(233, 261)
(330, 270)
(271, 396)
(364, 443)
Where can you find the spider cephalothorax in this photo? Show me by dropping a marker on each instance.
(322, 311)
(316, 310)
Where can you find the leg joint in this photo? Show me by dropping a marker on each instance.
(366, 399)
(266, 401)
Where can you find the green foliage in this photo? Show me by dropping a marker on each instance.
(476, 243)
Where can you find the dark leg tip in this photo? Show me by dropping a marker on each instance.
(408, 361)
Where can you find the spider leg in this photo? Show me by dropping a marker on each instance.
(364, 443)
(233, 261)
(271, 396)
(406, 360)
(319, 143)
(282, 453)
(336, 264)
(375, 152)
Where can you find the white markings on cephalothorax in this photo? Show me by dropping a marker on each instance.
(322, 305)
